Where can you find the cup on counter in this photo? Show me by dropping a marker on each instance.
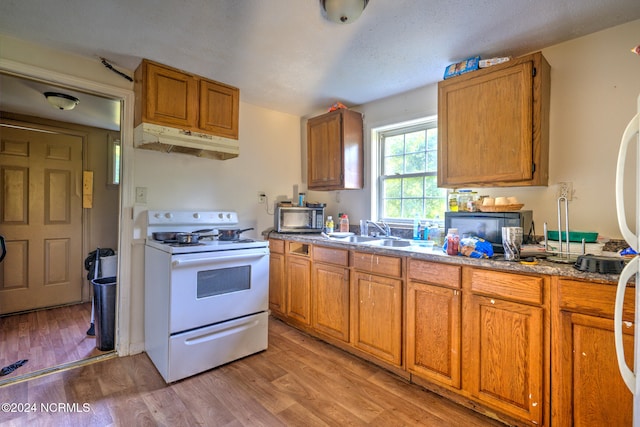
(512, 242)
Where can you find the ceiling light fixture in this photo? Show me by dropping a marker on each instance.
(61, 101)
(343, 11)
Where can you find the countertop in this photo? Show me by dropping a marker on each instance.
(437, 255)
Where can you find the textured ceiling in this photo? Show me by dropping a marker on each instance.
(285, 56)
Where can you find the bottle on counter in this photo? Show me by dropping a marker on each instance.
(453, 201)
(452, 242)
(329, 226)
(435, 234)
(416, 227)
(344, 223)
(301, 199)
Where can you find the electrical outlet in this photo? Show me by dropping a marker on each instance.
(565, 189)
(262, 197)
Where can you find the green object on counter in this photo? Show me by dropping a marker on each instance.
(574, 236)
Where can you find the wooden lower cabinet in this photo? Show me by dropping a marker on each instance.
(588, 389)
(433, 324)
(505, 345)
(377, 314)
(330, 292)
(277, 284)
(298, 272)
(480, 337)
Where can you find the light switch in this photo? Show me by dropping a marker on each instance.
(141, 194)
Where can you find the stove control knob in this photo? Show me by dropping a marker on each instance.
(168, 215)
(157, 215)
(221, 215)
(196, 215)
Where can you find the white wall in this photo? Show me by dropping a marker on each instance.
(595, 81)
(269, 161)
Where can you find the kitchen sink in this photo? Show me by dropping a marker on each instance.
(360, 239)
(395, 243)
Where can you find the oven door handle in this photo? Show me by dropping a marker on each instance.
(184, 262)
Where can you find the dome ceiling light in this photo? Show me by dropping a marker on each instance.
(61, 101)
(343, 11)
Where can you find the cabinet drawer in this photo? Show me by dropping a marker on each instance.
(515, 287)
(593, 298)
(276, 246)
(380, 264)
(434, 273)
(299, 249)
(331, 255)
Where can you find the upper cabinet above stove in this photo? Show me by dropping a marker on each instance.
(205, 113)
(493, 126)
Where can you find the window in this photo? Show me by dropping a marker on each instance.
(407, 181)
(113, 161)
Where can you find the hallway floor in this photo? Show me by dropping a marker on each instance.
(46, 338)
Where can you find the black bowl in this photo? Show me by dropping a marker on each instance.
(599, 264)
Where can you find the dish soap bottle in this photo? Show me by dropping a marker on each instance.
(344, 223)
(416, 227)
(328, 228)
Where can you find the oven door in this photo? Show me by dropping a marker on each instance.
(212, 287)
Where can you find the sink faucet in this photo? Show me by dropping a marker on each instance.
(385, 229)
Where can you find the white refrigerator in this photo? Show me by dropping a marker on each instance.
(630, 144)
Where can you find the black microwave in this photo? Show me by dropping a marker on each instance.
(299, 219)
(488, 225)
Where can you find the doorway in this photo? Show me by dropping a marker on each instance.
(82, 310)
(51, 222)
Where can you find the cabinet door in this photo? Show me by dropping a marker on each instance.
(171, 97)
(486, 133)
(493, 126)
(335, 152)
(299, 289)
(597, 395)
(219, 108)
(503, 355)
(433, 333)
(277, 288)
(377, 314)
(588, 389)
(324, 152)
(330, 286)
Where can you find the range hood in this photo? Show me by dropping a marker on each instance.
(171, 140)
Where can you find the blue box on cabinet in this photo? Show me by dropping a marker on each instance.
(470, 64)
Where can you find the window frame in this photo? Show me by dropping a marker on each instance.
(378, 136)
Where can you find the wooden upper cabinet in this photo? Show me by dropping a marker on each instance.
(165, 96)
(170, 97)
(219, 108)
(493, 126)
(335, 152)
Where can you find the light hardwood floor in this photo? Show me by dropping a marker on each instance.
(297, 381)
(46, 338)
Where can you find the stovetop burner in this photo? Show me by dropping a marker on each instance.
(187, 221)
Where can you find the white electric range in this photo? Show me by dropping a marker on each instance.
(206, 304)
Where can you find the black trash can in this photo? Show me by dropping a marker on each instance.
(104, 300)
